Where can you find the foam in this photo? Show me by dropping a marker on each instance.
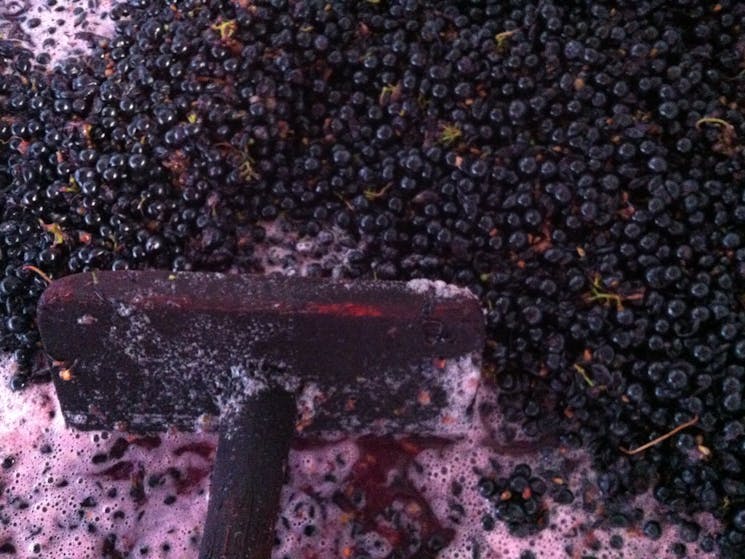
(43, 507)
(44, 512)
(439, 287)
(284, 251)
(462, 380)
(60, 29)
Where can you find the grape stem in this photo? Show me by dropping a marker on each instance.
(661, 438)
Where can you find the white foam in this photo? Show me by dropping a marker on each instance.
(283, 251)
(462, 380)
(438, 287)
(60, 29)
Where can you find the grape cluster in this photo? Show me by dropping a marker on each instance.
(519, 500)
(578, 165)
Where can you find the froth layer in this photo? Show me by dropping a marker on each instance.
(82, 495)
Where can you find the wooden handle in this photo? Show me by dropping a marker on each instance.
(247, 478)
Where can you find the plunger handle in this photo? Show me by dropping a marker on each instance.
(247, 479)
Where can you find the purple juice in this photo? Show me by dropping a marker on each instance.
(83, 495)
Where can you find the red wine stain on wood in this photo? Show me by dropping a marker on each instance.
(344, 309)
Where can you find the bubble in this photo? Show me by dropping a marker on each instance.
(56, 30)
